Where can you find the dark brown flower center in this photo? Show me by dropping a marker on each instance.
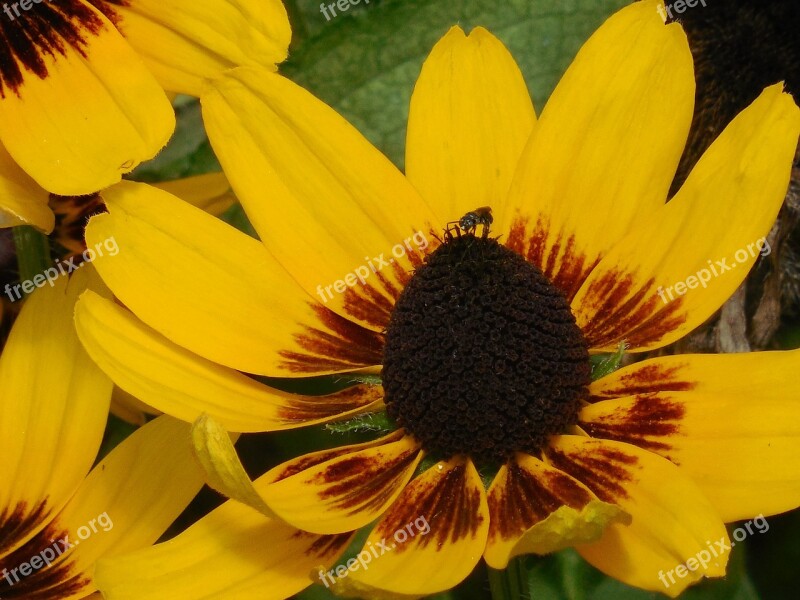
(483, 356)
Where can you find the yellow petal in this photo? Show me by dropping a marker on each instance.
(221, 294)
(53, 397)
(210, 192)
(605, 149)
(127, 501)
(761, 374)
(470, 117)
(318, 193)
(672, 522)
(675, 270)
(184, 385)
(536, 509)
(184, 42)
(129, 408)
(223, 470)
(89, 113)
(22, 201)
(322, 493)
(234, 552)
(428, 541)
(141, 486)
(731, 422)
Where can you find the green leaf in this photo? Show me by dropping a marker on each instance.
(561, 576)
(116, 432)
(566, 576)
(372, 422)
(33, 252)
(772, 557)
(605, 364)
(364, 64)
(308, 19)
(188, 151)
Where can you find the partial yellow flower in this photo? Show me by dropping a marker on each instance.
(482, 338)
(58, 515)
(210, 192)
(82, 85)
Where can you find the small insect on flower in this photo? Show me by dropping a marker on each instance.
(470, 221)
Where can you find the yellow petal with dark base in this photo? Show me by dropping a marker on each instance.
(127, 501)
(53, 397)
(332, 200)
(676, 269)
(470, 117)
(672, 522)
(185, 385)
(217, 292)
(22, 200)
(185, 42)
(333, 494)
(536, 509)
(731, 422)
(748, 375)
(429, 540)
(603, 153)
(84, 96)
(234, 552)
(141, 486)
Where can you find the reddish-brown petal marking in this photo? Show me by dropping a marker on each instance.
(341, 345)
(366, 304)
(558, 259)
(364, 483)
(58, 580)
(372, 302)
(295, 466)
(525, 500)
(16, 522)
(72, 214)
(325, 545)
(650, 416)
(604, 471)
(653, 377)
(621, 313)
(48, 28)
(449, 504)
(304, 408)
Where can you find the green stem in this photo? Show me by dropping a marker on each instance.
(33, 251)
(509, 583)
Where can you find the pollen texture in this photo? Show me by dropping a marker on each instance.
(483, 356)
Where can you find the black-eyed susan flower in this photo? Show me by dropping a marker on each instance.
(58, 515)
(482, 342)
(82, 84)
